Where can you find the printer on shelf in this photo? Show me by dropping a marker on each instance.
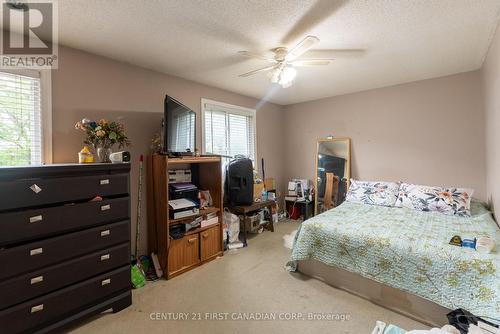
(183, 190)
(182, 207)
(298, 189)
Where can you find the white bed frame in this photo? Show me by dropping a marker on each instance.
(393, 299)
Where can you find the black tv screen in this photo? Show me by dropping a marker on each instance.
(179, 127)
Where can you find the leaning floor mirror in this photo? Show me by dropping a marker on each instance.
(333, 173)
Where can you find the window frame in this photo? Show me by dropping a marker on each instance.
(45, 77)
(237, 110)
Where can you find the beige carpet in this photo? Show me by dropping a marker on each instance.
(249, 282)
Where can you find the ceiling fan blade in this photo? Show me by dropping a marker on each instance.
(264, 69)
(255, 55)
(321, 10)
(301, 48)
(310, 62)
(336, 53)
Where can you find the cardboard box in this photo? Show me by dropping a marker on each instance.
(179, 175)
(270, 184)
(257, 190)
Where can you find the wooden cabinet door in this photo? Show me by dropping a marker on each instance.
(191, 250)
(210, 242)
(176, 255)
(183, 253)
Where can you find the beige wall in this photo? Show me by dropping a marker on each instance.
(425, 132)
(491, 87)
(86, 85)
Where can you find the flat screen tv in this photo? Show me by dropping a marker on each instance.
(179, 128)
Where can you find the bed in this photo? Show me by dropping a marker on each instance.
(403, 257)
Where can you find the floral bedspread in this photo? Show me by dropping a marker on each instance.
(408, 250)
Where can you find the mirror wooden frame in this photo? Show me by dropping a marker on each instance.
(348, 176)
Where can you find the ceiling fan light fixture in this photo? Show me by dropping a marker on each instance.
(282, 69)
(275, 75)
(286, 76)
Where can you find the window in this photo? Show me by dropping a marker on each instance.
(24, 119)
(181, 135)
(228, 130)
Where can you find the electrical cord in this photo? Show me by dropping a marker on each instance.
(287, 214)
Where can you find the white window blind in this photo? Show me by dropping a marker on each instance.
(229, 131)
(20, 119)
(182, 136)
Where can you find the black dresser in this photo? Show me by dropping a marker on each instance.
(63, 255)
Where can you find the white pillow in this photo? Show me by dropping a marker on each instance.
(373, 192)
(449, 201)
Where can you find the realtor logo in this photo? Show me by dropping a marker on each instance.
(29, 34)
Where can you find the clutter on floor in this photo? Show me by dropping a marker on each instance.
(466, 321)
(460, 322)
(231, 229)
(137, 275)
(288, 239)
(382, 328)
(299, 209)
(255, 224)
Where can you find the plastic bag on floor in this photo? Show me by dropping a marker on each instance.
(233, 226)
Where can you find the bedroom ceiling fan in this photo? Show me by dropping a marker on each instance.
(284, 61)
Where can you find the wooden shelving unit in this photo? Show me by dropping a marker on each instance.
(197, 246)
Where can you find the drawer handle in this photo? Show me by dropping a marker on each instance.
(105, 233)
(205, 235)
(191, 240)
(36, 280)
(36, 219)
(35, 188)
(105, 257)
(105, 207)
(36, 251)
(106, 282)
(37, 308)
(104, 181)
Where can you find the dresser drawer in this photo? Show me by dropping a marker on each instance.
(43, 281)
(35, 255)
(31, 315)
(37, 223)
(37, 192)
